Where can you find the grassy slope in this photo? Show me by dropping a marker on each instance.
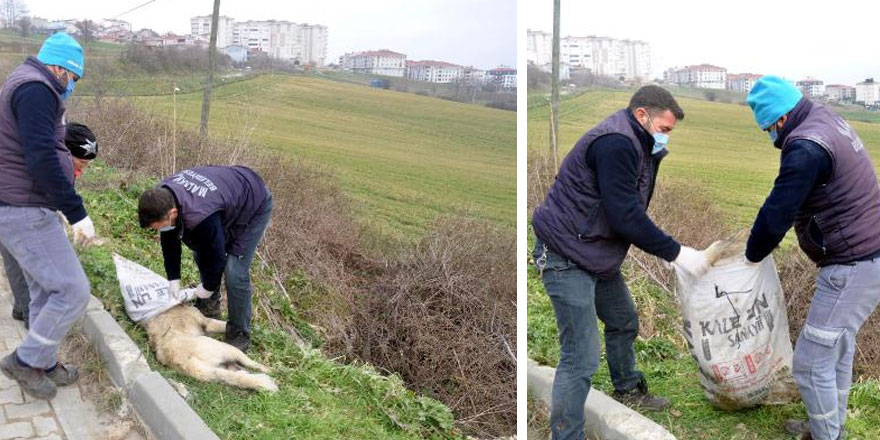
(319, 398)
(717, 146)
(404, 158)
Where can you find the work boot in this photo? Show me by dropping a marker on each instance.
(640, 398)
(238, 339)
(63, 375)
(32, 380)
(209, 307)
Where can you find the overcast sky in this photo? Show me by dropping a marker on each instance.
(481, 33)
(837, 42)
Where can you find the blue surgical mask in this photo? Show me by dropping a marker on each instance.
(774, 135)
(167, 228)
(68, 91)
(661, 140)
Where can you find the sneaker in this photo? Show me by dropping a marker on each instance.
(32, 380)
(238, 339)
(63, 375)
(209, 307)
(640, 398)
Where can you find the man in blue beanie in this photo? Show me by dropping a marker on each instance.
(595, 210)
(828, 190)
(36, 180)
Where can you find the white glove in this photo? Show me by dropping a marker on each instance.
(83, 231)
(174, 288)
(691, 261)
(195, 292)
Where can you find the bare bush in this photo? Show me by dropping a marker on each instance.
(441, 314)
(450, 304)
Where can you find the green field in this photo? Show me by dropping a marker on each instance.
(403, 158)
(717, 147)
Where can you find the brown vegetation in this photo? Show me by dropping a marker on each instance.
(441, 314)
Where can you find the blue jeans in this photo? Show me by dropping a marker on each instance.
(238, 271)
(579, 298)
(846, 295)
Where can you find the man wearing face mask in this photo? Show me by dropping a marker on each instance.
(221, 214)
(827, 189)
(36, 179)
(594, 211)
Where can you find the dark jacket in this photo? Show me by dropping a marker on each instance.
(215, 206)
(36, 168)
(574, 219)
(839, 222)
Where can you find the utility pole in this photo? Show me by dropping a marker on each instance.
(212, 49)
(554, 88)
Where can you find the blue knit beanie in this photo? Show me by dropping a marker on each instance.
(63, 51)
(771, 98)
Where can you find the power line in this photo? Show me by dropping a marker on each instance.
(132, 9)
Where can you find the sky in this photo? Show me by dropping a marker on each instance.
(481, 33)
(836, 42)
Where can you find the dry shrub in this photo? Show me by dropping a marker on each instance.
(442, 314)
(445, 321)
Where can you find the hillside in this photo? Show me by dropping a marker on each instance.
(717, 146)
(405, 159)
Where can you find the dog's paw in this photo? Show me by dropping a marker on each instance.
(266, 383)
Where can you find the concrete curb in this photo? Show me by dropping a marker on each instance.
(606, 418)
(164, 413)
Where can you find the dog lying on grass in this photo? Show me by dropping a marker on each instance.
(178, 336)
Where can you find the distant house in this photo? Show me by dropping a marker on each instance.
(505, 77)
(840, 93)
(868, 92)
(811, 87)
(239, 54)
(433, 71)
(375, 62)
(741, 82)
(704, 76)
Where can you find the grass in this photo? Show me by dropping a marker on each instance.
(318, 398)
(718, 147)
(404, 159)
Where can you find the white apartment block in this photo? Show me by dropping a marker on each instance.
(539, 47)
(505, 77)
(840, 93)
(472, 75)
(303, 43)
(704, 76)
(811, 87)
(375, 62)
(627, 59)
(868, 92)
(741, 82)
(433, 71)
(200, 28)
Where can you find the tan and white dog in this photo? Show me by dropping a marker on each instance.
(178, 336)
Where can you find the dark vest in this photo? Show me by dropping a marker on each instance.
(237, 191)
(571, 221)
(840, 220)
(16, 181)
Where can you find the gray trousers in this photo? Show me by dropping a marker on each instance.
(59, 289)
(20, 291)
(846, 295)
